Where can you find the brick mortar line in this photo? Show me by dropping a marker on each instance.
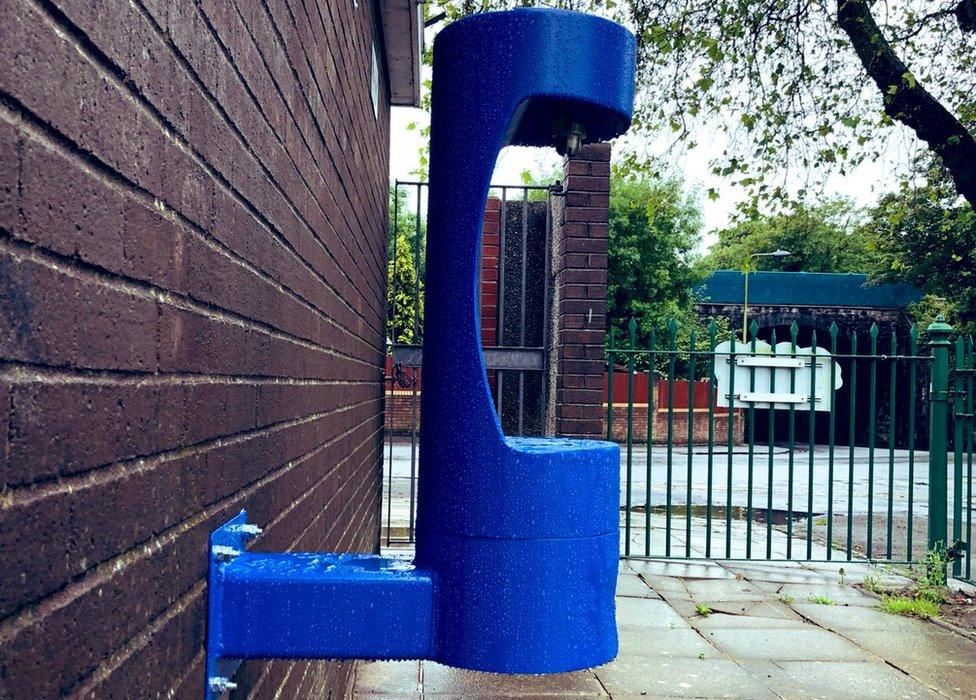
(324, 512)
(137, 642)
(191, 72)
(301, 681)
(282, 682)
(315, 121)
(280, 91)
(365, 107)
(107, 569)
(352, 40)
(178, 137)
(17, 372)
(198, 660)
(262, 677)
(301, 133)
(86, 272)
(25, 495)
(377, 165)
(16, 114)
(100, 61)
(144, 636)
(353, 520)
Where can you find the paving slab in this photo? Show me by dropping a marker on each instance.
(842, 595)
(924, 644)
(642, 612)
(439, 680)
(753, 644)
(856, 617)
(656, 641)
(848, 679)
(679, 569)
(680, 678)
(724, 621)
(388, 678)
(808, 644)
(665, 584)
(768, 579)
(632, 586)
(951, 680)
(724, 589)
(751, 608)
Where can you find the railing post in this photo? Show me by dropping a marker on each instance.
(939, 333)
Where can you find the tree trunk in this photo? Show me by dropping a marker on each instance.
(906, 100)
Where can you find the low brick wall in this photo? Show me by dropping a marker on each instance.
(400, 417)
(659, 429)
(400, 414)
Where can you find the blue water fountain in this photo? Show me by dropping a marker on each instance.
(517, 538)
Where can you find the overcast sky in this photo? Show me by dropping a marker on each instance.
(863, 185)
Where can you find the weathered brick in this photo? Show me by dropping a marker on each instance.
(192, 305)
(51, 318)
(581, 239)
(9, 177)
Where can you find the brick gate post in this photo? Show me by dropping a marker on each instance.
(579, 284)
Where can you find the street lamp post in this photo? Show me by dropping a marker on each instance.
(778, 253)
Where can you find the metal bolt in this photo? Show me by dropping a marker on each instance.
(221, 684)
(224, 553)
(250, 530)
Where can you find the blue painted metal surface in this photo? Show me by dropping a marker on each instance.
(845, 290)
(301, 606)
(521, 533)
(517, 540)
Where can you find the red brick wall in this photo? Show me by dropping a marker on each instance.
(659, 426)
(192, 270)
(490, 243)
(580, 287)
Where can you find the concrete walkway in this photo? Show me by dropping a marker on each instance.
(764, 638)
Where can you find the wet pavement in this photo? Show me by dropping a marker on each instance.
(764, 638)
(788, 485)
(860, 471)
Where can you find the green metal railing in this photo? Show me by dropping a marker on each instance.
(963, 407)
(786, 481)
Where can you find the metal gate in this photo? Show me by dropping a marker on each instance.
(777, 479)
(964, 392)
(514, 299)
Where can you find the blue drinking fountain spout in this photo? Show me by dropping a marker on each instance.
(517, 538)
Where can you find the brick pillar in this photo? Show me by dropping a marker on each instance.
(489, 272)
(579, 277)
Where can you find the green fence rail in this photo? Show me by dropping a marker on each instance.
(963, 394)
(867, 479)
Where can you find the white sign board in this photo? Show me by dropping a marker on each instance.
(777, 377)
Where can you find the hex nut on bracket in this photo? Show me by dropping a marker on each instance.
(250, 530)
(221, 684)
(224, 553)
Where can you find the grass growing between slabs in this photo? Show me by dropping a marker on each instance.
(911, 607)
(924, 597)
(822, 600)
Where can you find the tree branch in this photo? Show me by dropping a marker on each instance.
(906, 100)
